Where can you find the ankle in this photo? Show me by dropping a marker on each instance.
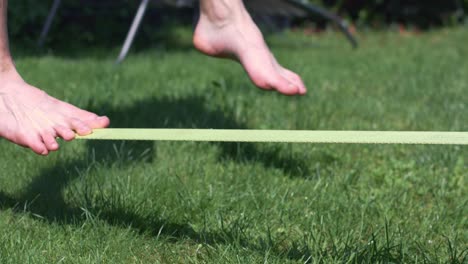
(220, 12)
(6, 64)
(8, 72)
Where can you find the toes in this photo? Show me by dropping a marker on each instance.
(84, 115)
(98, 122)
(36, 144)
(300, 84)
(90, 119)
(285, 87)
(275, 79)
(31, 140)
(80, 127)
(49, 141)
(296, 79)
(66, 133)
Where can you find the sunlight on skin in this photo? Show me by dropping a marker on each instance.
(28, 116)
(31, 118)
(226, 30)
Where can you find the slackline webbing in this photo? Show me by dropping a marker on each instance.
(287, 136)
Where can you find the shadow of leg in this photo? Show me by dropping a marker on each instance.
(192, 112)
(45, 195)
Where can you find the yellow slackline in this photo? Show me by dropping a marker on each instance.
(291, 136)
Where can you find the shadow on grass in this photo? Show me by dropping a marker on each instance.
(43, 197)
(192, 113)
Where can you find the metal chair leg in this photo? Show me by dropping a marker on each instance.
(48, 22)
(133, 29)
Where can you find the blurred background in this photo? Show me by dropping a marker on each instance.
(107, 21)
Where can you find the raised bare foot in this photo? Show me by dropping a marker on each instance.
(31, 118)
(226, 30)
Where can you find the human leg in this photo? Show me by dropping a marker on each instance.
(28, 116)
(226, 30)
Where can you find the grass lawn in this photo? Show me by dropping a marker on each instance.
(187, 202)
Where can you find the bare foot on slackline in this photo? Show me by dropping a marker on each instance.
(31, 118)
(226, 30)
(28, 116)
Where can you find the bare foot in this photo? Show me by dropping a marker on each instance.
(226, 30)
(31, 118)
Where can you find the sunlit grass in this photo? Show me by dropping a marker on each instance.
(124, 202)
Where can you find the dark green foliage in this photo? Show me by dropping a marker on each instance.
(25, 18)
(107, 21)
(77, 20)
(422, 13)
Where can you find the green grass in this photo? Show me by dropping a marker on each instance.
(168, 202)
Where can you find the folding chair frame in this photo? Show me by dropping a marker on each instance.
(309, 8)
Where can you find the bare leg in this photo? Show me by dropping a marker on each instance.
(28, 116)
(226, 30)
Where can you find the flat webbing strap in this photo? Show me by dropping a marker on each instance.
(289, 136)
